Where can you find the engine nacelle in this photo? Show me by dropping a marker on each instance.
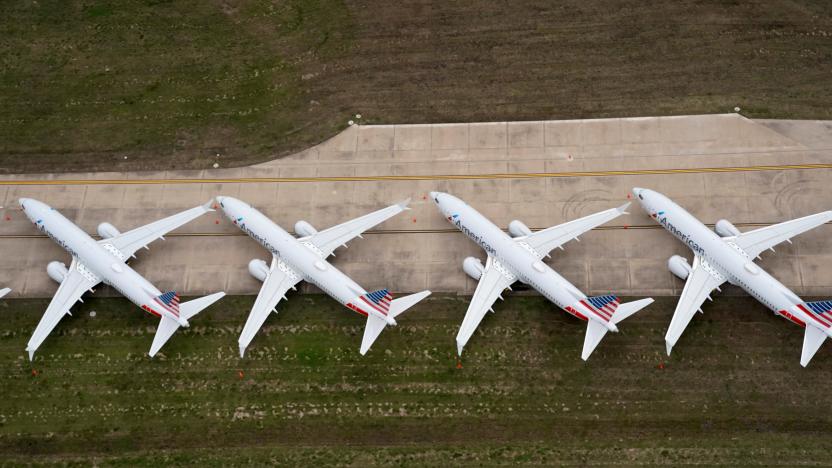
(304, 229)
(518, 229)
(473, 268)
(679, 267)
(258, 269)
(107, 231)
(57, 271)
(725, 229)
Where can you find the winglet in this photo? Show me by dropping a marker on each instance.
(459, 346)
(669, 346)
(623, 208)
(31, 353)
(403, 204)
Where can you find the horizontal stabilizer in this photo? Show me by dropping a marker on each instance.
(595, 330)
(812, 340)
(403, 303)
(167, 327)
(5, 291)
(191, 308)
(374, 327)
(629, 308)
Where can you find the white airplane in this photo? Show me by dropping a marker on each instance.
(305, 258)
(519, 258)
(105, 261)
(727, 255)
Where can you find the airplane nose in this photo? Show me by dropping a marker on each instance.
(219, 199)
(637, 192)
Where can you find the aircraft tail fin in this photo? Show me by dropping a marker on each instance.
(595, 329)
(169, 301)
(382, 299)
(821, 313)
(606, 305)
(191, 308)
(820, 310)
(168, 326)
(398, 306)
(379, 300)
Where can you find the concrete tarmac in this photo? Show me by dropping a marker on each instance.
(543, 173)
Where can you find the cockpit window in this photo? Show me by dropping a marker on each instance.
(640, 197)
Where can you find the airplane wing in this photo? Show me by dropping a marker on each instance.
(544, 241)
(78, 281)
(756, 241)
(127, 243)
(702, 280)
(495, 278)
(280, 279)
(330, 239)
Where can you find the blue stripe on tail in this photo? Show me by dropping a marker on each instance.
(377, 296)
(820, 307)
(600, 301)
(167, 297)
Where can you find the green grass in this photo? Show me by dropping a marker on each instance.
(171, 84)
(167, 84)
(732, 393)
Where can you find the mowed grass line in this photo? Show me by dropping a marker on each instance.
(157, 84)
(732, 392)
(170, 85)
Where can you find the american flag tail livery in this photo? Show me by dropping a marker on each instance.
(378, 300)
(819, 311)
(169, 301)
(607, 311)
(383, 302)
(603, 306)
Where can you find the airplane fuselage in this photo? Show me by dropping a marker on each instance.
(97, 262)
(724, 257)
(516, 256)
(299, 256)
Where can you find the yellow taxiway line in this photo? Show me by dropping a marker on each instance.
(521, 175)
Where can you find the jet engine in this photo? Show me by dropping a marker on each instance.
(107, 230)
(57, 271)
(258, 269)
(473, 268)
(679, 267)
(518, 229)
(304, 229)
(725, 229)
